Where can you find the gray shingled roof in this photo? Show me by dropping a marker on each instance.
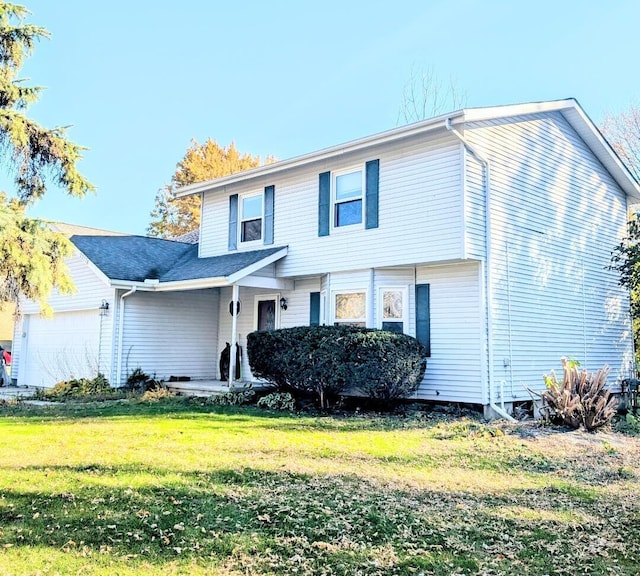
(137, 258)
(190, 268)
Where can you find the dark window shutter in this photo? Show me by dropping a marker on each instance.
(269, 193)
(314, 309)
(233, 222)
(423, 317)
(372, 180)
(324, 203)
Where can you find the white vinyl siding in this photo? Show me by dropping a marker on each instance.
(454, 372)
(474, 208)
(297, 312)
(91, 288)
(556, 216)
(59, 348)
(171, 334)
(420, 202)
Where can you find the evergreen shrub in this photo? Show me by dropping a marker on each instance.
(328, 361)
(79, 388)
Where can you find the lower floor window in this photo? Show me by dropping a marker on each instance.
(392, 309)
(351, 308)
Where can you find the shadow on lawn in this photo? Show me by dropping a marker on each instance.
(257, 521)
(193, 408)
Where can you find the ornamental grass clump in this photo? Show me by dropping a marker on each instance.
(580, 399)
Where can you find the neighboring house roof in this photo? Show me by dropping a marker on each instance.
(157, 261)
(569, 108)
(192, 237)
(71, 229)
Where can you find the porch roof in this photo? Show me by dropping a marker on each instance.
(191, 267)
(166, 264)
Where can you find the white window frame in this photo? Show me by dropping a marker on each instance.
(362, 320)
(262, 298)
(241, 219)
(405, 306)
(334, 201)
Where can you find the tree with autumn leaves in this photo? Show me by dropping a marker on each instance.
(171, 216)
(31, 254)
(623, 133)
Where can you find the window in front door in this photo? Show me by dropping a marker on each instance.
(266, 314)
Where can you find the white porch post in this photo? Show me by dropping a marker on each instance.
(235, 296)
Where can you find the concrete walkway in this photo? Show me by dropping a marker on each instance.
(16, 392)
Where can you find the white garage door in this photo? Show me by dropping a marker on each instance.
(60, 348)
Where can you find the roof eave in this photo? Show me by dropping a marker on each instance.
(569, 107)
(321, 155)
(590, 133)
(244, 272)
(579, 121)
(510, 110)
(154, 285)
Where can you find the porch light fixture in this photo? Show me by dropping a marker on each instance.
(104, 308)
(283, 303)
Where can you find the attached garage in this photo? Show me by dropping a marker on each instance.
(58, 348)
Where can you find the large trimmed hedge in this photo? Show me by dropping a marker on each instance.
(331, 360)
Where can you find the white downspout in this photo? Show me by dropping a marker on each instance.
(234, 336)
(121, 333)
(488, 280)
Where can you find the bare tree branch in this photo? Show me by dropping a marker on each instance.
(424, 96)
(623, 133)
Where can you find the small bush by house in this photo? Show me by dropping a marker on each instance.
(330, 360)
(281, 401)
(139, 381)
(79, 388)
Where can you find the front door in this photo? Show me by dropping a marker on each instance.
(267, 314)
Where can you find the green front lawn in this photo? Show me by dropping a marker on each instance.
(177, 488)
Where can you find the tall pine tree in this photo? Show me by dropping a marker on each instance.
(31, 255)
(172, 216)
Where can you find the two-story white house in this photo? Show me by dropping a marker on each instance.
(485, 233)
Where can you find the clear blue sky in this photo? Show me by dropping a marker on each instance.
(137, 80)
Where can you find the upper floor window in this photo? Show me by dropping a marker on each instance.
(251, 218)
(348, 198)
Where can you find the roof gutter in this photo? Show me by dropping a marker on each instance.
(155, 285)
(299, 161)
(500, 410)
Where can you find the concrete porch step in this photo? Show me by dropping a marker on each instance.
(209, 387)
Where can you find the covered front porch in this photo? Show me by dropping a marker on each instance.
(177, 328)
